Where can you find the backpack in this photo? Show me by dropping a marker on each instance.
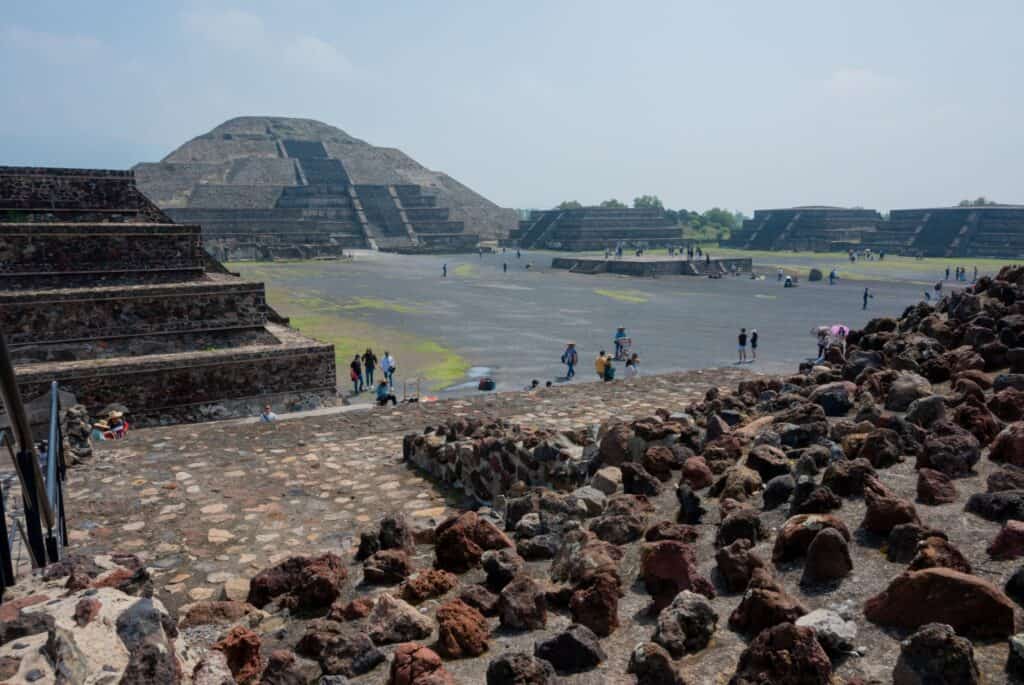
(485, 384)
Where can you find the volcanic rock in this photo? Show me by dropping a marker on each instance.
(1008, 445)
(686, 625)
(667, 568)
(885, 512)
(832, 631)
(969, 604)
(778, 491)
(1009, 542)
(934, 487)
(517, 668)
(783, 654)
(461, 541)
(828, 558)
(653, 665)
(300, 582)
(637, 481)
(415, 664)
(935, 654)
(393, 620)
(523, 605)
(461, 630)
(764, 604)
(427, 585)
(741, 524)
(596, 605)
(846, 478)
(574, 650)
(799, 531)
(241, 648)
(387, 567)
(736, 563)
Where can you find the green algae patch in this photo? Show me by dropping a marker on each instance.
(450, 370)
(467, 271)
(631, 296)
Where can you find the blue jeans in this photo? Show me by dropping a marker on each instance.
(390, 376)
(369, 377)
(572, 370)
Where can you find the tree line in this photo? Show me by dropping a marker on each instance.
(716, 223)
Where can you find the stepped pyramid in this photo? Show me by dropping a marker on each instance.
(266, 187)
(103, 292)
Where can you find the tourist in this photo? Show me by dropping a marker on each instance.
(620, 336)
(947, 273)
(975, 279)
(780, 275)
(534, 384)
(267, 415)
(369, 366)
(384, 395)
(707, 259)
(742, 339)
(609, 369)
(867, 296)
(504, 267)
(822, 343)
(518, 253)
(927, 296)
(633, 366)
(832, 277)
(570, 358)
(101, 431)
(444, 271)
(599, 363)
(753, 345)
(356, 374)
(388, 366)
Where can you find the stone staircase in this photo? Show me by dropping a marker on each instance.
(128, 312)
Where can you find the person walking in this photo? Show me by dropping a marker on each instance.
(504, 267)
(356, 373)
(369, 366)
(444, 271)
(753, 344)
(742, 348)
(388, 366)
(570, 357)
(867, 296)
(947, 273)
(599, 364)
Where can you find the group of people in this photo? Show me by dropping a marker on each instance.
(960, 274)
(362, 370)
(743, 339)
(112, 427)
(604, 366)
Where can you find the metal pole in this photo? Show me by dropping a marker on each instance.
(33, 488)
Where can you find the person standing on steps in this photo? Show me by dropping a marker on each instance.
(867, 295)
(742, 348)
(753, 345)
(570, 358)
(369, 366)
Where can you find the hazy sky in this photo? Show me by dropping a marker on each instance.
(736, 104)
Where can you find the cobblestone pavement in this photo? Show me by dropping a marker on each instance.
(209, 505)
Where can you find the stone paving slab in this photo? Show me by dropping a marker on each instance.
(209, 505)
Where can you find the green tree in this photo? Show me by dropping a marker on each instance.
(647, 202)
(569, 204)
(613, 204)
(978, 202)
(720, 217)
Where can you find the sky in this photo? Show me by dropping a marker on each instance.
(738, 104)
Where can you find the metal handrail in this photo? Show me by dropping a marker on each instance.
(54, 475)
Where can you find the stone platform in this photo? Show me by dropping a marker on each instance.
(652, 266)
(209, 505)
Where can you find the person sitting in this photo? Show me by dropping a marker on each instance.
(384, 395)
(267, 415)
(100, 431)
(118, 426)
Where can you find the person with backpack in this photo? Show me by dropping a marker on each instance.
(570, 357)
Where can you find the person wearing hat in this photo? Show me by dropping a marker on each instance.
(620, 333)
(570, 357)
(100, 430)
(118, 426)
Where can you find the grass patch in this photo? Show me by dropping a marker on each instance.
(631, 296)
(467, 271)
(380, 305)
(325, 320)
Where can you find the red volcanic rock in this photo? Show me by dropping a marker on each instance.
(764, 605)
(668, 567)
(597, 605)
(461, 541)
(302, 582)
(934, 487)
(1009, 542)
(241, 648)
(696, 473)
(428, 584)
(885, 512)
(1009, 445)
(969, 604)
(784, 654)
(797, 532)
(86, 610)
(415, 664)
(462, 630)
(737, 563)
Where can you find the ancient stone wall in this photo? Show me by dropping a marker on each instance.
(56, 315)
(158, 387)
(76, 248)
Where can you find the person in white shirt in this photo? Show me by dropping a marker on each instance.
(633, 366)
(388, 366)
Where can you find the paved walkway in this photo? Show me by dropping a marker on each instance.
(208, 505)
